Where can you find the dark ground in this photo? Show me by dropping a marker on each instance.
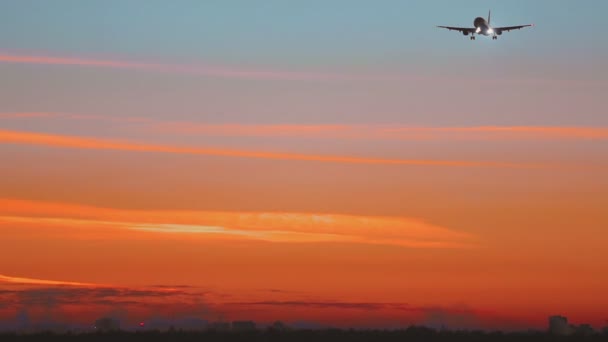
(411, 334)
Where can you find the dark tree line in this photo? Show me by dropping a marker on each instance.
(413, 334)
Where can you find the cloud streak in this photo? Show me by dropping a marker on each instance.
(49, 300)
(338, 131)
(32, 281)
(265, 226)
(40, 300)
(505, 132)
(257, 74)
(367, 306)
(198, 70)
(28, 115)
(65, 141)
(385, 313)
(388, 132)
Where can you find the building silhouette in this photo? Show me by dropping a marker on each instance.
(219, 326)
(107, 324)
(585, 329)
(191, 324)
(243, 326)
(558, 325)
(278, 326)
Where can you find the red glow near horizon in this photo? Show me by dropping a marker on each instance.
(232, 164)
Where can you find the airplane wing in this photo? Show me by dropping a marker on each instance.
(510, 28)
(461, 29)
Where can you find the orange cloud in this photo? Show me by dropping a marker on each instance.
(22, 115)
(505, 132)
(210, 71)
(266, 226)
(385, 132)
(54, 115)
(281, 130)
(30, 281)
(108, 144)
(343, 131)
(71, 303)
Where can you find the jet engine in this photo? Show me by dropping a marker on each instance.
(498, 32)
(466, 33)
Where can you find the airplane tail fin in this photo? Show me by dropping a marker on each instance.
(489, 16)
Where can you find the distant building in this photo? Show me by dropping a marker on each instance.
(243, 326)
(278, 326)
(558, 325)
(191, 324)
(57, 328)
(182, 324)
(156, 324)
(219, 326)
(107, 324)
(585, 329)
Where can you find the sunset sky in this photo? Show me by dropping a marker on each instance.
(339, 163)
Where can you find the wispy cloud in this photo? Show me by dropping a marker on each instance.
(386, 313)
(219, 71)
(337, 131)
(287, 236)
(33, 281)
(206, 70)
(266, 226)
(388, 132)
(44, 300)
(264, 235)
(101, 290)
(19, 137)
(330, 304)
(38, 300)
(199, 70)
(504, 132)
(24, 115)
(70, 116)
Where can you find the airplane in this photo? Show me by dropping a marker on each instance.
(482, 27)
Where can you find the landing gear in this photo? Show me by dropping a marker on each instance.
(494, 37)
(472, 37)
